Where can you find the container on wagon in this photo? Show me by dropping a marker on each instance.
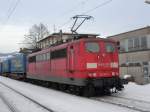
(18, 63)
(6, 66)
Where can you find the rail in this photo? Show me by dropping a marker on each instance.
(32, 100)
(134, 104)
(11, 107)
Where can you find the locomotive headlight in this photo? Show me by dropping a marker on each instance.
(92, 74)
(113, 73)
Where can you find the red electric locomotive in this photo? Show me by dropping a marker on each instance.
(84, 65)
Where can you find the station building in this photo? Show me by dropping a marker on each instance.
(134, 56)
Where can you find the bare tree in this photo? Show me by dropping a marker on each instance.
(39, 31)
(36, 32)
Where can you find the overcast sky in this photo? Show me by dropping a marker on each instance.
(116, 17)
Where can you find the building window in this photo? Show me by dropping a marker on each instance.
(122, 46)
(41, 57)
(61, 53)
(130, 44)
(44, 57)
(136, 43)
(47, 56)
(38, 58)
(143, 42)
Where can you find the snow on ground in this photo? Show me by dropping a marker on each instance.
(134, 91)
(22, 104)
(59, 101)
(3, 107)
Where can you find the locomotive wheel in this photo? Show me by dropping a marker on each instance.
(89, 90)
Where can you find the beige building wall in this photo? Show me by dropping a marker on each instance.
(140, 56)
(134, 61)
(136, 71)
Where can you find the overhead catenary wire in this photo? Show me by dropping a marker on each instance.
(9, 9)
(88, 11)
(71, 10)
(98, 6)
(10, 12)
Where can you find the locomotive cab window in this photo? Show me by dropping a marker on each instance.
(92, 47)
(110, 48)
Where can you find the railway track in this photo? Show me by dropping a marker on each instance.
(134, 104)
(10, 106)
(13, 109)
(132, 99)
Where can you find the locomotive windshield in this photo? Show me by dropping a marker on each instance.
(92, 47)
(110, 47)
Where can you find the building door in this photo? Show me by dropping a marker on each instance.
(146, 72)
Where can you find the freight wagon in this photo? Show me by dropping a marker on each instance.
(0, 68)
(6, 66)
(18, 65)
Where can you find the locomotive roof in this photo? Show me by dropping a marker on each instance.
(65, 44)
(69, 34)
